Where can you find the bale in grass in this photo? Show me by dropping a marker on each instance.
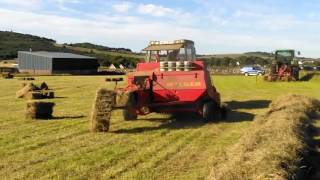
(34, 95)
(44, 86)
(271, 148)
(39, 110)
(25, 90)
(7, 75)
(101, 112)
(26, 79)
(50, 95)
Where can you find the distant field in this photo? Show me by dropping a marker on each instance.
(153, 147)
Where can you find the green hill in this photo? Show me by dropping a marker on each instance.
(12, 42)
(99, 47)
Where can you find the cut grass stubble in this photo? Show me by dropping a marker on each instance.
(272, 147)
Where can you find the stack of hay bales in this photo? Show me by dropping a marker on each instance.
(26, 78)
(39, 110)
(31, 91)
(272, 147)
(7, 75)
(28, 88)
(101, 112)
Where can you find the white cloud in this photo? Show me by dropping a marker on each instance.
(122, 7)
(30, 4)
(153, 10)
(67, 1)
(128, 30)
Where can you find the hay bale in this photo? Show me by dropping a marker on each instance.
(50, 95)
(101, 112)
(7, 75)
(34, 95)
(25, 90)
(26, 79)
(44, 86)
(39, 110)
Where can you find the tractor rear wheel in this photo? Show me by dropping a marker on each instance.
(210, 112)
(129, 113)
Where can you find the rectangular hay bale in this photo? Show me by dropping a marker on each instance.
(34, 95)
(39, 110)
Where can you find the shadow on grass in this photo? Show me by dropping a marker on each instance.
(252, 104)
(190, 121)
(67, 117)
(307, 77)
(60, 97)
(167, 124)
(311, 160)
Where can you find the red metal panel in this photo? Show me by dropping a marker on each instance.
(176, 86)
(148, 66)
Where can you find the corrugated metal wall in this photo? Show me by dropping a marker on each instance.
(29, 62)
(37, 64)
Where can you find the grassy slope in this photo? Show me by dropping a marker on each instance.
(11, 43)
(152, 147)
(95, 51)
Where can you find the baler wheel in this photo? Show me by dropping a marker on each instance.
(211, 112)
(129, 113)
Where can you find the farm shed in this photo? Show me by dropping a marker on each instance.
(56, 63)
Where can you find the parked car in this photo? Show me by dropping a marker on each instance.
(316, 68)
(252, 71)
(306, 68)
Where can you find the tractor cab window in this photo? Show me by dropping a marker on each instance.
(284, 54)
(181, 54)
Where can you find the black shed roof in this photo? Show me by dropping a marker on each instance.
(58, 55)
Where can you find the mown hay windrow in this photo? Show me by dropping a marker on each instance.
(101, 112)
(271, 148)
(39, 110)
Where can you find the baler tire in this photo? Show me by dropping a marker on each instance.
(127, 113)
(211, 112)
(224, 111)
(128, 116)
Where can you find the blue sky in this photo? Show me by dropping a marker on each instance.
(217, 26)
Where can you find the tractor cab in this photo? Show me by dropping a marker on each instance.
(178, 50)
(285, 56)
(172, 56)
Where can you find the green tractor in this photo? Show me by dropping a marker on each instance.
(284, 67)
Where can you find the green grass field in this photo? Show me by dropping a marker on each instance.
(153, 147)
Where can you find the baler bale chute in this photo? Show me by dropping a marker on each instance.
(284, 67)
(170, 81)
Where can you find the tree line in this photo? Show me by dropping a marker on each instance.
(238, 61)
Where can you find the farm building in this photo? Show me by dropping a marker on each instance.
(56, 63)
